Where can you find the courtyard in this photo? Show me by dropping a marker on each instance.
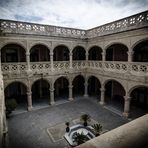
(44, 127)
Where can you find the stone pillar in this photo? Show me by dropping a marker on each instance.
(103, 55)
(130, 56)
(0, 64)
(28, 61)
(86, 89)
(51, 61)
(70, 92)
(126, 106)
(86, 55)
(102, 102)
(29, 100)
(70, 58)
(52, 102)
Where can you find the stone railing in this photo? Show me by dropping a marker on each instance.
(133, 22)
(78, 65)
(40, 67)
(14, 67)
(129, 23)
(8, 26)
(134, 68)
(61, 65)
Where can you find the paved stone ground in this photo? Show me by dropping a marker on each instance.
(29, 129)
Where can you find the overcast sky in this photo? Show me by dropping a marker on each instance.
(84, 14)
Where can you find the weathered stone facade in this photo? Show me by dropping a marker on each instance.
(129, 32)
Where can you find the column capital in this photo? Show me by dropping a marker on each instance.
(29, 93)
(70, 86)
(52, 90)
(51, 53)
(127, 98)
(130, 52)
(102, 89)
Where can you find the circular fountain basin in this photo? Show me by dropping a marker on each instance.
(79, 128)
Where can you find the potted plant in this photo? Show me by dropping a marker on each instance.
(85, 118)
(11, 104)
(67, 127)
(79, 138)
(97, 129)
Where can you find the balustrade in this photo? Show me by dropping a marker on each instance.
(134, 68)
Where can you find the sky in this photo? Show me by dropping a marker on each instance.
(82, 14)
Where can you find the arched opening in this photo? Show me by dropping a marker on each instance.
(40, 93)
(78, 86)
(13, 53)
(117, 52)
(79, 53)
(141, 52)
(39, 53)
(94, 87)
(95, 53)
(61, 53)
(139, 102)
(17, 91)
(114, 95)
(61, 89)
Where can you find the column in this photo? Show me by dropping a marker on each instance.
(28, 61)
(86, 55)
(51, 60)
(103, 55)
(70, 91)
(29, 99)
(70, 58)
(52, 102)
(0, 64)
(102, 102)
(126, 106)
(85, 89)
(130, 56)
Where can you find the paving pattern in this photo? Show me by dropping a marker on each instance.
(29, 129)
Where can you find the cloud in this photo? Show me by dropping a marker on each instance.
(83, 14)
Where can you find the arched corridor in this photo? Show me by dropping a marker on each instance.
(95, 53)
(40, 92)
(39, 53)
(13, 53)
(94, 87)
(117, 52)
(61, 89)
(139, 101)
(141, 52)
(78, 86)
(114, 95)
(79, 53)
(61, 53)
(17, 91)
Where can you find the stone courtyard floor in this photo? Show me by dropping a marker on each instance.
(43, 128)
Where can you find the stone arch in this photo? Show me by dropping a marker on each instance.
(39, 52)
(140, 51)
(6, 83)
(61, 53)
(61, 85)
(114, 94)
(114, 54)
(57, 45)
(137, 42)
(39, 43)
(37, 79)
(95, 51)
(13, 52)
(78, 85)
(94, 86)
(113, 43)
(18, 91)
(138, 100)
(40, 91)
(13, 42)
(79, 53)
